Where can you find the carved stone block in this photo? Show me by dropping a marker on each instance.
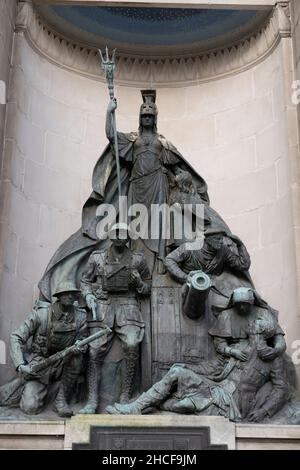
(144, 438)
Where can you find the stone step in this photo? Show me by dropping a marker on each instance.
(32, 435)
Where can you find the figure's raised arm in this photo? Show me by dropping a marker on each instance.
(109, 127)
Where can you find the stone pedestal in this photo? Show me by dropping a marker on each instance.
(164, 431)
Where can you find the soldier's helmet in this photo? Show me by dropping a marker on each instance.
(64, 287)
(149, 106)
(210, 232)
(243, 294)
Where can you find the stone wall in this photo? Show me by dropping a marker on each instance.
(295, 15)
(295, 11)
(7, 18)
(238, 133)
(7, 21)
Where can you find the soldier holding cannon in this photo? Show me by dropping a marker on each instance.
(223, 257)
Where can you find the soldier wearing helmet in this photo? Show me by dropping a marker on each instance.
(222, 256)
(114, 280)
(48, 329)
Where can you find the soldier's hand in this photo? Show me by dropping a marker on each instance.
(267, 353)
(240, 355)
(80, 349)
(257, 415)
(90, 301)
(112, 106)
(184, 291)
(135, 278)
(25, 369)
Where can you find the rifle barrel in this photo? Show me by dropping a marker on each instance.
(69, 350)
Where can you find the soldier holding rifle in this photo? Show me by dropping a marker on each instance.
(47, 348)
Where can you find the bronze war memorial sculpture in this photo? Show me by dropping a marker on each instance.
(130, 323)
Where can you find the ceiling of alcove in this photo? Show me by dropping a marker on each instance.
(153, 31)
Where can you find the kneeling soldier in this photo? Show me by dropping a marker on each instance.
(51, 328)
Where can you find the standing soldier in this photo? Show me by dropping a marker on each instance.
(111, 285)
(51, 328)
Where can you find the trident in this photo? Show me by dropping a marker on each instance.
(109, 65)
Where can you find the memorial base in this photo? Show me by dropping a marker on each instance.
(215, 432)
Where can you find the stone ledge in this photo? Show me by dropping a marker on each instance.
(33, 435)
(267, 431)
(267, 437)
(32, 428)
(166, 3)
(59, 434)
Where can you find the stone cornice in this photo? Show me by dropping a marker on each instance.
(154, 71)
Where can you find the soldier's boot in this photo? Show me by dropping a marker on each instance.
(154, 396)
(61, 406)
(68, 381)
(93, 374)
(127, 384)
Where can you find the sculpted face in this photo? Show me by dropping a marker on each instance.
(215, 241)
(120, 242)
(243, 308)
(147, 120)
(67, 298)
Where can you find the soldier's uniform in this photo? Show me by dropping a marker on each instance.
(118, 307)
(227, 267)
(50, 330)
(186, 259)
(259, 383)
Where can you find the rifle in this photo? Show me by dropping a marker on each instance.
(43, 364)
(11, 393)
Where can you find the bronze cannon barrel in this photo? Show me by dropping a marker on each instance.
(197, 289)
